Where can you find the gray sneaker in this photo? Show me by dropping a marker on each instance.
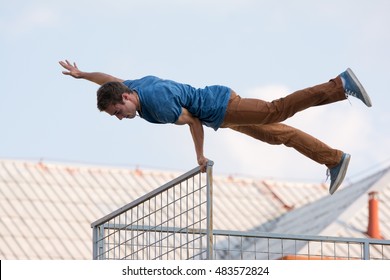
(338, 172)
(353, 87)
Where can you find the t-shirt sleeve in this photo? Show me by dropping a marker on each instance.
(127, 83)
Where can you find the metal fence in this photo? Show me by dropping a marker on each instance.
(234, 245)
(175, 222)
(171, 222)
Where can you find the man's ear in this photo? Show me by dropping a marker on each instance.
(125, 96)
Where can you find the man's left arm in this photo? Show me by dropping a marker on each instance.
(197, 134)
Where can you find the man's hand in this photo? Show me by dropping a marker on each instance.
(202, 161)
(73, 70)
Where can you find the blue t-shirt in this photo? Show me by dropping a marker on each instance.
(162, 101)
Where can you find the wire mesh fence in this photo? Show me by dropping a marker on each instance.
(171, 222)
(175, 222)
(233, 245)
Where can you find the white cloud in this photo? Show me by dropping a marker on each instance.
(269, 92)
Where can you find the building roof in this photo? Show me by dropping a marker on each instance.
(338, 214)
(46, 208)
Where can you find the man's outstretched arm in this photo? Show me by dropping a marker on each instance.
(197, 133)
(96, 77)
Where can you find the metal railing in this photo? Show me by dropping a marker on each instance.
(233, 245)
(138, 230)
(175, 222)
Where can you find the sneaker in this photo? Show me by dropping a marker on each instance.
(338, 172)
(353, 87)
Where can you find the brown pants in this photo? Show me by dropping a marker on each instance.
(261, 119)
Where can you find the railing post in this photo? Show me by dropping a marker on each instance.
(210, 210)
(98, 242)
(102, 242)
(94, 243)
(366, 250)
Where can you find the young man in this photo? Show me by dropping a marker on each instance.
(164, 101)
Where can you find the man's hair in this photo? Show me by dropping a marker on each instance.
(110, 93)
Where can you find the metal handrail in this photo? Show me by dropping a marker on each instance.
(255, 234)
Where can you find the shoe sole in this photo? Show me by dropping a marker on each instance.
(342, 173)
(366, 98)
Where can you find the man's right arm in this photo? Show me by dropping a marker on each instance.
(197, 134)
(96, 77)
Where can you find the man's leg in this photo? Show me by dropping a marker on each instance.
(244, 111)
(254, 116)
(278, 133)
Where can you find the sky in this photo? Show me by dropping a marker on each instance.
(261, 49)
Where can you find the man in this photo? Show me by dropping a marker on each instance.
(164, 101)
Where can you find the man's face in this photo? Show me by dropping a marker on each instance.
(127, 109)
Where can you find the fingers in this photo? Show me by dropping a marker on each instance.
(67, 65)
(72, 68)
(203, 164)
(63, 64)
